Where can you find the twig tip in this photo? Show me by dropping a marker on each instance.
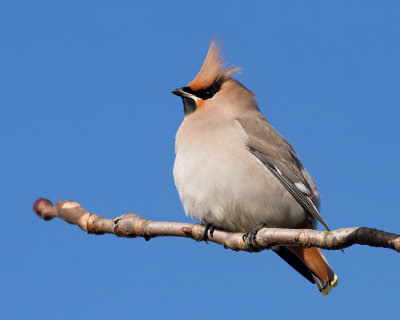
(41, 204)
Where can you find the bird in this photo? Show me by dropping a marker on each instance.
(235, 172)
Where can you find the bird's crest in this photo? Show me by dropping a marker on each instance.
(213, 68)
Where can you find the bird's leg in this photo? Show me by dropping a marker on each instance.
(250, 237)
(208, 227)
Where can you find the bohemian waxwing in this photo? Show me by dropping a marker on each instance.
(233, 171)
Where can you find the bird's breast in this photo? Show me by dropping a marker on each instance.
(219, 181)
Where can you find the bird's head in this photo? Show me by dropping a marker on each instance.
(213, 84)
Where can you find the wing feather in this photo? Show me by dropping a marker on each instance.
(280, 158)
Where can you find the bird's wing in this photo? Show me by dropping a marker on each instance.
(280, 158)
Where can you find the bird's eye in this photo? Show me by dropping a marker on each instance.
(209, 92)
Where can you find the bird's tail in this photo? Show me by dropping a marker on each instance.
(311, 264)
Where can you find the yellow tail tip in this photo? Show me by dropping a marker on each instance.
(325, 291)
(335, 281)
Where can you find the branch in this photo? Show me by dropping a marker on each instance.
(131, 226)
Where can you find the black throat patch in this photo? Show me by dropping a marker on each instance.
(189, 105)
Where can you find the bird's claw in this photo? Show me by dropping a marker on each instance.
(250, 238)
(208, 228)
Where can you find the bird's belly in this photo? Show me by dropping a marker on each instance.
(233, 190)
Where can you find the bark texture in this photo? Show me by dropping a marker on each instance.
(131, 226)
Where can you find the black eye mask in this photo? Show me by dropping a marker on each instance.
(207, 93)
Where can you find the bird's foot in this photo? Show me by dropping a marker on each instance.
(250, 238)
(208, 228)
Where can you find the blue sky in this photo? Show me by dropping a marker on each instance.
(87, 114)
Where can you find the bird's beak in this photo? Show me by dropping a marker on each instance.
(179, 92)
